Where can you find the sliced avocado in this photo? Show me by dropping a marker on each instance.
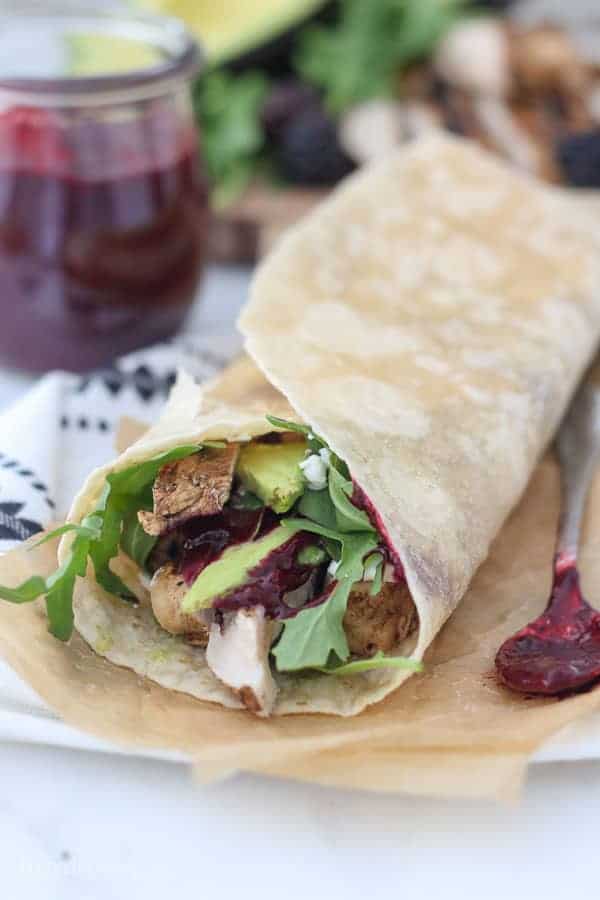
(227, 29)
(231, 569)
(272, 472)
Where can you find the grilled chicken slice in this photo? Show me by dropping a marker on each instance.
(198, 485)
(167, 590)
(380, 622)
(238, 654)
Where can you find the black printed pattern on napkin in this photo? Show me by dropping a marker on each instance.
(28, 475)
(143, 380)
(12, 526)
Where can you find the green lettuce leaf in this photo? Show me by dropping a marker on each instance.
(314, 442)
(359, 56)
(97, 539)
(348, 516)
(228, 107)
(315, 635)
(317, 506)
(379, 561)
(379, 661)
(135, 542)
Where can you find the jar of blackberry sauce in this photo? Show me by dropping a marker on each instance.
(103, 200)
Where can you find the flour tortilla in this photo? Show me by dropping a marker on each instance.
(431, 320)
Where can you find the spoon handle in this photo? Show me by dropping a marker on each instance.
(578, 447)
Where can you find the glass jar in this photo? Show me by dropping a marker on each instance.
(103, 202)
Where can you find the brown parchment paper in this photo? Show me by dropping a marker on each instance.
(452, 731)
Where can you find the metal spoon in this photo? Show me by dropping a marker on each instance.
(560, 650)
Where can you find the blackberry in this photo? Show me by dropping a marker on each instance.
(286, 100)
(578, 155)
(309, 151)
(494, 4)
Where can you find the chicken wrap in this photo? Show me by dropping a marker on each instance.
(292, 538)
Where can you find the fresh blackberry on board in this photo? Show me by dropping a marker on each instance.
(309, 152)
(284, 102)
(578, 155)
(494, 4)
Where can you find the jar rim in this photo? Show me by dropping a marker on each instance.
(183, 57)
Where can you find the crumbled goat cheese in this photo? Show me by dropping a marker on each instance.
(314, 469)
(333, 567)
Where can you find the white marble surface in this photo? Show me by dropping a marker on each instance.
(76, 825)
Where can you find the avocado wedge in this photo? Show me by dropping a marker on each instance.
(231, 569)
(272, 472)
(230, 29)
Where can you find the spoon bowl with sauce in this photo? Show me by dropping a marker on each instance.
(559, 652)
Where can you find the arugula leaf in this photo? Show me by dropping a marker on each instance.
(314, 442)
(29, 590)
(228, 107)
(83, 529)
(334, 507)
(288, 425)
(313, 635)
(135, 542)
(97, 538)
(379, 661)
(317, 506)
(348, 516)
(133, 480)
(358, 57)
(101, 551)
(378, 559)
(59, 589)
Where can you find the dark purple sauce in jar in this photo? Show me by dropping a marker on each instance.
(103, 204)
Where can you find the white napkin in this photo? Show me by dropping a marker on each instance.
(49, 442)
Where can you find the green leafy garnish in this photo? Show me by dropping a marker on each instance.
(316, 634)
(377, 560)
(228, 108)
(287, 425)
(379, 661)
(135, 542)
(314, 442)
(331, 507)
(98, 539)
(91, 529)
(317, 506)
(348, 516)
(359, 57)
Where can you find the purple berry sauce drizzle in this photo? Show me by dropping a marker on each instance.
(558, 652)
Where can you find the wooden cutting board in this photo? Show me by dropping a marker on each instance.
(244, 231)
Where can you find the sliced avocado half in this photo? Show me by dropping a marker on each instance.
(228, 29)
(273, 473)
(231, 569)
